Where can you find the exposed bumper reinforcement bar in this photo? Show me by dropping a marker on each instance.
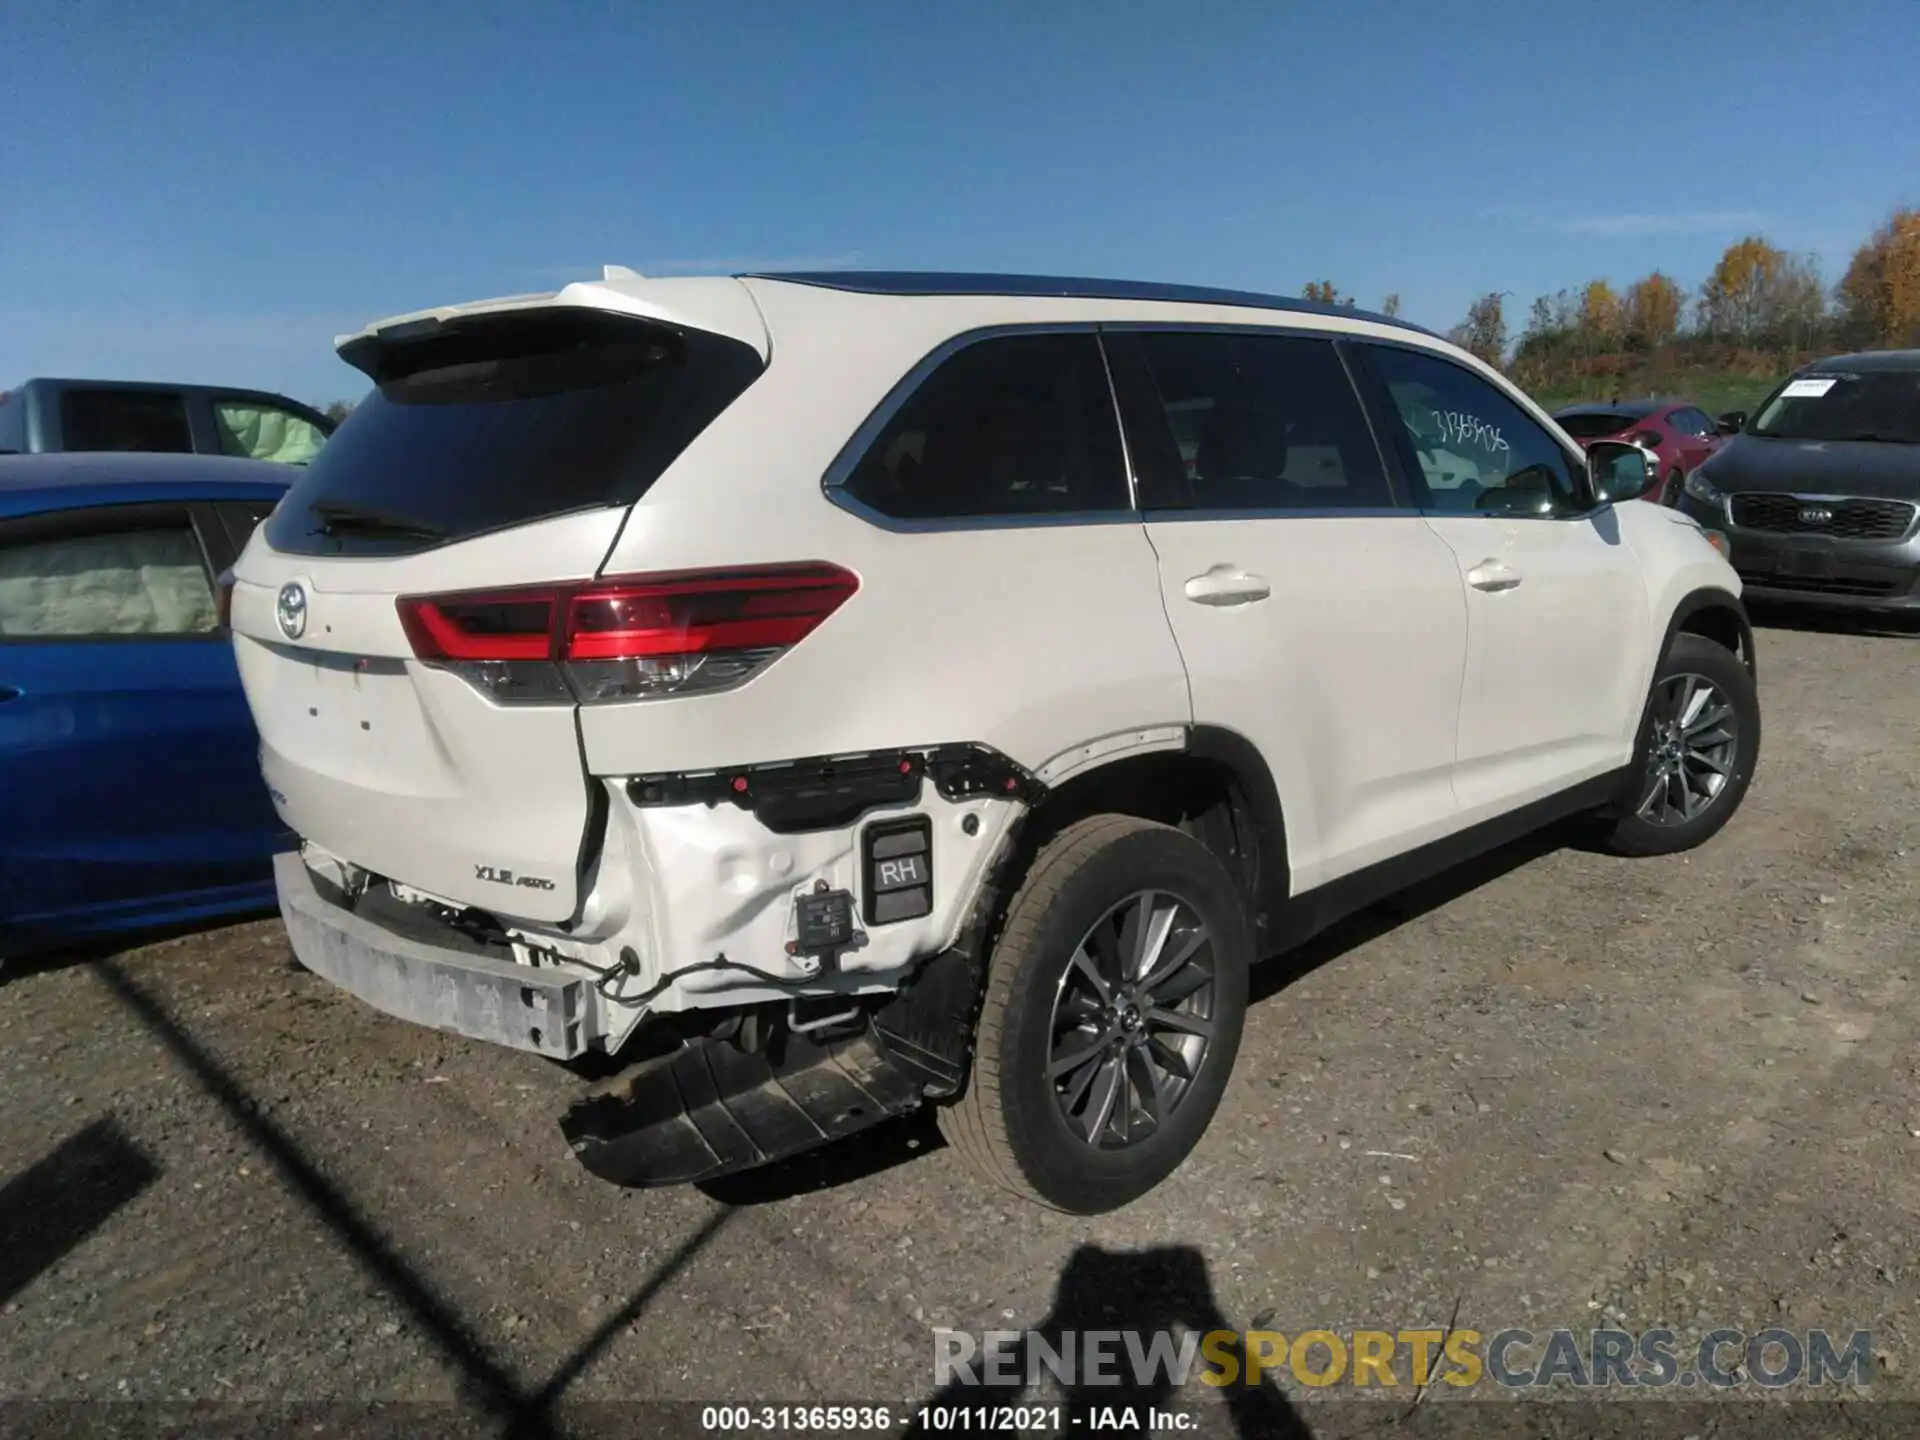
(545, 1011)
(710, 1108)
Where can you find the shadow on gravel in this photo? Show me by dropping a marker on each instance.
(1273, 975)
(485, 1382)
(47, 1211)
(65, 956)
(1145, 1292)
(858, 1157)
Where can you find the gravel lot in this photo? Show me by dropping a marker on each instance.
(1556, 1088)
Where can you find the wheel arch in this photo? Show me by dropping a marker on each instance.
(1217, 786)
(1719, 616)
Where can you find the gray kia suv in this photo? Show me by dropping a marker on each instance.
(1819, 490)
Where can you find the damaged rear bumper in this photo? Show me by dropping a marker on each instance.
(546, 1010)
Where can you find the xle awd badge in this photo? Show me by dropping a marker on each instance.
(497, 876)
(291, 610)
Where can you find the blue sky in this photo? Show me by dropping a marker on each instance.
(212, 191)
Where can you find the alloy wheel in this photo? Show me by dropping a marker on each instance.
(1695, 737)
(1132, 1020)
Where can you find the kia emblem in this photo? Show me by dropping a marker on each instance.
(1815, 515)
(291, 610)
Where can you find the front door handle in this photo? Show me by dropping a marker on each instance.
(1492, 576)
(1227, 585)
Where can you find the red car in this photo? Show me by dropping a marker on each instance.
(1679, 433)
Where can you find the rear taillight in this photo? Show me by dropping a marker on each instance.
(634, 638)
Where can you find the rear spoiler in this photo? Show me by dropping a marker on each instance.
(717, 305)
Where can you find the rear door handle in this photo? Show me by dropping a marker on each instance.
(1227, 585)
(1492, 576)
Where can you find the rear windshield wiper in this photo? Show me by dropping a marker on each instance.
(337, 519)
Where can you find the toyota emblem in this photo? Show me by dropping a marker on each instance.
(1815, 515)
(291, 610)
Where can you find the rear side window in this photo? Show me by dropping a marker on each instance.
(1691, 422)
(1593, 427)
(124, 420)
(240, 518)
(257, 431)
(116, 583)
(507, 420)
(1010, 426)
(1223, 421)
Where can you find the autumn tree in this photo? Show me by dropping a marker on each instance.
(1600, 313)
(338, 410)
(1880, 292)
(1652, 310)
(1321, 291)
(1759, 293)
(1390, 306)
(1484, 331)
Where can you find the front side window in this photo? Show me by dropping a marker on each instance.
(116, 583)
(1838, 405)
(257, 431)
(1233, 421)
(1010, 426)
(146, 420)
(1470, 448)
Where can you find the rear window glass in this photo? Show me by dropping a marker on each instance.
(504, 421)
(1592, 427)
(124, 420)
(1018, 425)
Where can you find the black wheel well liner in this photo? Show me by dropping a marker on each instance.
(1217, 787)
(1717, 615)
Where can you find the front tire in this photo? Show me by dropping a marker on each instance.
(1699, 742)
(1114, 1004)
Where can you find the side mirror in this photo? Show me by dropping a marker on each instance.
(1621, 470)
(1732, 422)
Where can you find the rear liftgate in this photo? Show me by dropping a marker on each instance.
(720, 1104)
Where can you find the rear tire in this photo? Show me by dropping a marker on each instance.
(1699, 742)
(1077, 1098)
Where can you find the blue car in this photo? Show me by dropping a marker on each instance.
(130, 789)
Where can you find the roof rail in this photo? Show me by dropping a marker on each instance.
(936, 282)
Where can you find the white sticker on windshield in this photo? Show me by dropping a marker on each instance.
(1809, 389)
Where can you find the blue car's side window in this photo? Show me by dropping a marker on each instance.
(126, 582)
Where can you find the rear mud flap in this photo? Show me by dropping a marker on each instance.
(710, 1108)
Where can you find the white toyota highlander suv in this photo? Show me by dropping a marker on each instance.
(831, 693)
